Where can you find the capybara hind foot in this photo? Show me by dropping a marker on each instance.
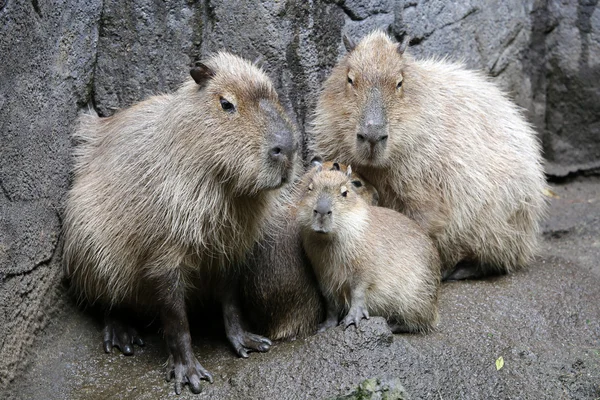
(355, 314)
(470, 270)
(120, 335)
(242, 341)
(245, 342)
(399, 327)
(327, 324)
(188, 370)
(331, 320)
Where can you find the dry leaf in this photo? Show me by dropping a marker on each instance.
(499, 363)
(549, 193)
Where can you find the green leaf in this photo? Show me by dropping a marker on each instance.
(499, 363)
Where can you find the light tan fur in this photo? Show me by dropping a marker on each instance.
(374, 247)
(279, 290)
(460, 158)
(172, 189)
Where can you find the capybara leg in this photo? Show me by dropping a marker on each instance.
(470, 270)
(332, 317)
(182, 366)
(242, 341)
(358, 308)
(118, 334)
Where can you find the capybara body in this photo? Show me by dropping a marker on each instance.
(279, 289)
(170, 192)
(368, 260)
(442, 145)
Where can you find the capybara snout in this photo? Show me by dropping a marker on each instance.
(372, 128)
(281, 144)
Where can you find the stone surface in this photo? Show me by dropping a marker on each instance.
(47, 54)
(144, 48)
(544, 322)
(573, 84)
(60, 57)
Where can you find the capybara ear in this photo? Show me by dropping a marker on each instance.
(403, 45)
(201, 74)
(335, 167)
(316, 161)
(348, 42)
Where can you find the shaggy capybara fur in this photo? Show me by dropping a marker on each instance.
(279, 289)
(368, 260)
(443, 145)
(170, 193)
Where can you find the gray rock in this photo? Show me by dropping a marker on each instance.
(377, 389)
(145, 48)
(47, 53)
(573, 84)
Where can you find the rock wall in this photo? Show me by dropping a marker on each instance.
(59, 57)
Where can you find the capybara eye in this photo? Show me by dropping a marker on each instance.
(357, 184)
(399, 85)
(227, 106)
(350, 81)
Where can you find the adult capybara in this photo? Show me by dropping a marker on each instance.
(368, 260)
(279, 289)
(171, 192)
(442, 145)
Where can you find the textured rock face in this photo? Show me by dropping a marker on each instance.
(572, 135)
(59, 57)
(47, 53)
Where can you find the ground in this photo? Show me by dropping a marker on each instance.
(544, 322)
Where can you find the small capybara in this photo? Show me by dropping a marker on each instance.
(169, 194)
(368, 260)
(278, 288)
(441, 144)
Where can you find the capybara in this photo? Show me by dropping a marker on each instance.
(170, 193)
(368, 260)
(279, 289)
(442, 145)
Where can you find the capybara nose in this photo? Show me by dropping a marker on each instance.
(323, 207)
(283, 147)
(373, 133)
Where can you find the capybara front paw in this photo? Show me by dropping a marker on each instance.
(247, 342)
(117, 334)
(355, 314)
(191, 372)
(327, 324)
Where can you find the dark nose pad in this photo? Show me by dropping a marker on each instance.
(283, 147)
(372, 132)
(323, 207)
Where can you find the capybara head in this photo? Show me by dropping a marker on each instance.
(364, 95)
(361, 186)
(329, 201)
(251, 143)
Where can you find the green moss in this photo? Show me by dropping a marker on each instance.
(372, 389)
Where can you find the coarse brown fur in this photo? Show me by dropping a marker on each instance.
(169, 186)
(279, 289)
(454, 153)
(374, 253)
(170, 193)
